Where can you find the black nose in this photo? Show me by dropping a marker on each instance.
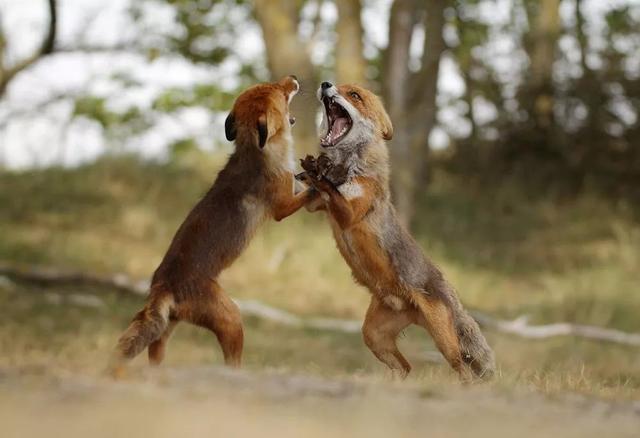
(326, 85)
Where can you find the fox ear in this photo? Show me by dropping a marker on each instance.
(387, 127)
(230, 127)
(263, 130)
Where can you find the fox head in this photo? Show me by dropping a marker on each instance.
(260, 115)
(353, 116)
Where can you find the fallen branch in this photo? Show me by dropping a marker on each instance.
(260, 310)
(51, 276)
(520, 327)
(121, 282)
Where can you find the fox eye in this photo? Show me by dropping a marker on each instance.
(355, 95)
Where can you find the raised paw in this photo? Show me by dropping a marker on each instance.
(304, 178)
(310, 165)
(324, 165)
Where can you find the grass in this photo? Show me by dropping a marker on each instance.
(507, 253)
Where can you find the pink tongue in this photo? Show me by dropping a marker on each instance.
(338, 124)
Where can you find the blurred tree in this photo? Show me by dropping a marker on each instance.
(7, 71)
(286, 54)
(573, 119)
(350, 61)
(544, 31)
(471, 34)
(411, 95)
(566, 113)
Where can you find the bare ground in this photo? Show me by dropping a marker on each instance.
(220, 402)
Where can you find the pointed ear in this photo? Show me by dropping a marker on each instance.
(387, 127)
(230, 127)
(263, 130)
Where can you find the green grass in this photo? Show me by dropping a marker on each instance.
(507, 253)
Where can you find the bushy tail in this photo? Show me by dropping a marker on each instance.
(147, 326)
(474, 348)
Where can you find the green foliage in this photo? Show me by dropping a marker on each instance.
(207, 33)
(94, 108)
(130, 121)
(620, 21)
(181, 149)
(207, 28)
(209, 96)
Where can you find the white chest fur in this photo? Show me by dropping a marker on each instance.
(351, 190)
(280, 155)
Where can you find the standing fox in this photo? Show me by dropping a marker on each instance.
(406, 287)
(256, 183)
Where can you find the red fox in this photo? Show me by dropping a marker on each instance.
(256, 183)
(352, 176)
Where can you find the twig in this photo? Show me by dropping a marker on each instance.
(121, 282)
(7, 73)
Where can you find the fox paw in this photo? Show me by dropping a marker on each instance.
(310, 165)
(323, 168)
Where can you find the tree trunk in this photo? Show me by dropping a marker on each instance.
(395, 89)
(412, 98)
(286, 55)
(426, 86)
(545, 30)
(350, 61)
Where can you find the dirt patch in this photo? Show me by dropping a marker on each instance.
(221, 402)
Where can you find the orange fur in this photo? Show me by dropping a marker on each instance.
(406, 287)
(370, 107)
(256, 183)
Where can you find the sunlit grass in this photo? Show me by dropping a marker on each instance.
(506, 254)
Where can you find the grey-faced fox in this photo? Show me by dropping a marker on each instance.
(352, 176)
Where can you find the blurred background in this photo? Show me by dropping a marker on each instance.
(515, 160)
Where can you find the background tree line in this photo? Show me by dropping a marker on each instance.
(563, 113)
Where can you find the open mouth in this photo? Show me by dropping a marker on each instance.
(338, 122)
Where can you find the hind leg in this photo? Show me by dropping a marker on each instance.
(158, 347)
(380, 330)
(222, 316)
(436, 317)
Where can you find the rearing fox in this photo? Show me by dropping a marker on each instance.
(256, 183)
(406, 287)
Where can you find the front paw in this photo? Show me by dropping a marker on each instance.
(310, 166)
(318, 172)
(304, 178)
(323, 165)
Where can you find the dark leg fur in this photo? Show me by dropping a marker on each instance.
(222, 316)
(475, 350)
(436, 317)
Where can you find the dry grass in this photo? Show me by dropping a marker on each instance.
(507, 255)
